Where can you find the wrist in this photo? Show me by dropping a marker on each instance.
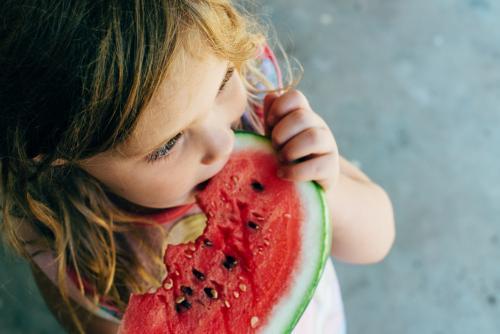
(362, 221)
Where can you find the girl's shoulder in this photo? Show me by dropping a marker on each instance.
(267, 65)
(90, 321)
(44, 262)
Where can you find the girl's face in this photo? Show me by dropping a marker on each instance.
(183, 137)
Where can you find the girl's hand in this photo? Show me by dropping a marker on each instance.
(306, 147)
(309, 152)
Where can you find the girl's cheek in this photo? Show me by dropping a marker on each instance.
(238, 96)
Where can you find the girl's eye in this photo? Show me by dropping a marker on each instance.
(165, 150)
(228, 76)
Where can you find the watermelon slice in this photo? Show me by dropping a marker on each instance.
(257, 263)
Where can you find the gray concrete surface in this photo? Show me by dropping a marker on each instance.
(411, 90)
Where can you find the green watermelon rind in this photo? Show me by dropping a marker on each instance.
(284, 321)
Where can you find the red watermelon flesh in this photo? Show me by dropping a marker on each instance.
(232, 277)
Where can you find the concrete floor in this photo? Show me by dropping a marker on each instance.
(411, 90)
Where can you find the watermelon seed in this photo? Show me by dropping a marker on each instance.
(287, 215)
(254, 321)
(168, 284)
(230, 262)
(211, 293)
(198, 274)
(208, 243)
(227, 304)
(187, 290)
(257, 186)
(181, 304)
(253, 225)
(189, 256)
(192, 248)
(236, 294)
(243, 287)
(186, 304)
(235, 179)
(177, 273)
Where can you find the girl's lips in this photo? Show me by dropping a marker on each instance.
(201, 186)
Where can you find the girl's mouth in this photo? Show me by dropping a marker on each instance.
(201, 186)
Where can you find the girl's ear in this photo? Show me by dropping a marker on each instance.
(57, 162)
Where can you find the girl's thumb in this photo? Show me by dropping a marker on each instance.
(268, 102)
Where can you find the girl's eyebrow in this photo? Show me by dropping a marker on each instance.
(164, 142)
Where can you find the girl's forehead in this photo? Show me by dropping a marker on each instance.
(188, 89)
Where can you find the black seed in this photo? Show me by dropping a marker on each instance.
(187, 290)
(211, 293)
(230, 262)
(199, 275)
(186, 304)
(257, 186)
(182, 306)
(208, 243)
(253, 225)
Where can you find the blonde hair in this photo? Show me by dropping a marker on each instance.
(74, 80)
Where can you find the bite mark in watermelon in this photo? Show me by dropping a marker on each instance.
(258, 261)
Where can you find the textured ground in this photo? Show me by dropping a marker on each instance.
(411, 91)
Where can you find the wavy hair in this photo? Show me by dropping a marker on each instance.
(75, 77)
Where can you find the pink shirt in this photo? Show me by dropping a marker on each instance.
(325, 312)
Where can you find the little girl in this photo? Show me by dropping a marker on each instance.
(114, 112)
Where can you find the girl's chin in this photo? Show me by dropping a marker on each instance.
(189, 198)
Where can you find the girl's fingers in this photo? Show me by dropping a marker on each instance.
(268, 101)
(319, 168)
(284, 104)
(304, 141)
(292, 124)
(311, 141)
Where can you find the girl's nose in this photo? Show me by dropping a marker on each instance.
(218, 144)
